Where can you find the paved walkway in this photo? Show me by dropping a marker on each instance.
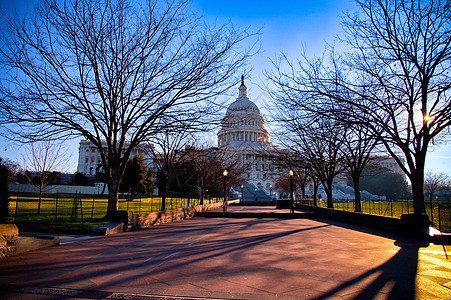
(233, 258)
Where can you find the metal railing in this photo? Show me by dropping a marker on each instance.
(438, 209)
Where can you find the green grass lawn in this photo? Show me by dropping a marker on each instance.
(64, 215)
(60, 215)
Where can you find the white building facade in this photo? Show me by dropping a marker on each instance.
(89, 161)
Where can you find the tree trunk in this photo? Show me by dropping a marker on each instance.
(419, 207)
(103, 189)
(357, 203)
(113, 196)
(164, 195)
(328, 190)
(330, 202)
(315, 194)
(202, 191)
(41, 187)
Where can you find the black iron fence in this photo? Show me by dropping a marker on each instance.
(437, 208)
(74, 212)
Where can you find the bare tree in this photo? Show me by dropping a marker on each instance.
(111, 70)
(43, 159)
(316, 183)
(395, 80)
(282, 184)
(208, 171)
(358, 152)
(170, 152)
(284, 160)
(233, 164)
(316, 141)
(404, 49)
(321, 146)
(433, 182)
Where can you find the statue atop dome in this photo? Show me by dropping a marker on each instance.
(242, 89)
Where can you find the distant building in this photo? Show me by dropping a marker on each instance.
(89, 160)
(390, 163)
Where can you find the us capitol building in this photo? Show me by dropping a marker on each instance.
(242, 139)
(244, 136)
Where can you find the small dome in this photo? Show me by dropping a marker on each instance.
(243, 104)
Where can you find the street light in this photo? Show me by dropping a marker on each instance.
(291, 192)
(270, 191)
(242, 193)
(224, 203)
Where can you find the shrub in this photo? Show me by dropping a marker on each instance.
(5, 173)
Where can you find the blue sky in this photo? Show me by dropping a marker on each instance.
(287, 26)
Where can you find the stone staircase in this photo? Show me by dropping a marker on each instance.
(252, 194)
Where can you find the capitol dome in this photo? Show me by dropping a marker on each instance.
(243, 104)
(243, 123)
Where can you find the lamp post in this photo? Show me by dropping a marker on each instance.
(270, 191)
(291, 192)
(224, 203)
(242, 193)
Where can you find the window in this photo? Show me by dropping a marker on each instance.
(248, 162)
(86, 159)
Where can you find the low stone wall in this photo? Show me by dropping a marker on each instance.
(161, 217)
(137, 221)
(408, 224)
(9, 237)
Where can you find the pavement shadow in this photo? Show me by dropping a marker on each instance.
(395, 278)
(199, 251)
(118, 260)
